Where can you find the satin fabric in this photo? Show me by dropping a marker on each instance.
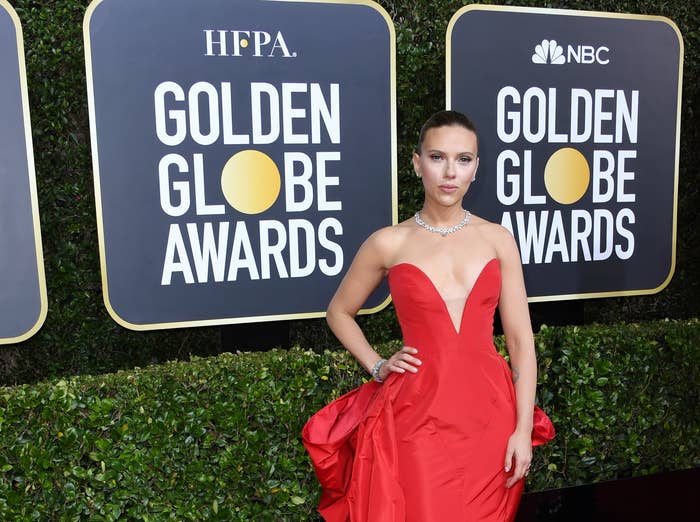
(426, 447)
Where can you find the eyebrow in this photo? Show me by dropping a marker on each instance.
(458, 154)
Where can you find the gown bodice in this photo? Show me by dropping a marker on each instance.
(423, 313)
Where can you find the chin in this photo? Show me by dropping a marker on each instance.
(449, 200)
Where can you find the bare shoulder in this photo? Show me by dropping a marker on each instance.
(386, 237)
(498, 236)
(385, 242)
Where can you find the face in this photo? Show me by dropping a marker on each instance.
(447, 163)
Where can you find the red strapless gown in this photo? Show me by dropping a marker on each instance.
(426, 447)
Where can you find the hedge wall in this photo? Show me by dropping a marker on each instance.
(78, 335)
(219, 438)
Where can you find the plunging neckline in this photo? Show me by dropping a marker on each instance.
(456, 330)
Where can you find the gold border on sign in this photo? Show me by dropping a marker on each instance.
(96, 177)
(588, 14)
(34, 201)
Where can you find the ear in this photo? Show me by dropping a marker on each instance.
(477, 168)
(416, 164)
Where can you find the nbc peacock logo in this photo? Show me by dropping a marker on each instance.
(549, 51)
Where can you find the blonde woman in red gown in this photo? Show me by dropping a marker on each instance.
(444, 432)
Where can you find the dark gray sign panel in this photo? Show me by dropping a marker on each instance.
(579, 120)
(23, 302)
(242, 152)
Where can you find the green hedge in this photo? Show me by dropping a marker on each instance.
(218, 438)
(78, 335)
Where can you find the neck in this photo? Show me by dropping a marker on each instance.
(442, 216)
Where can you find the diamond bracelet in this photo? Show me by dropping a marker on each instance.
(376, 369)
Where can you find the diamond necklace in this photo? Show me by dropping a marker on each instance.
(443, 231)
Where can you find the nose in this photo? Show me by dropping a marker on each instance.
(450, 169)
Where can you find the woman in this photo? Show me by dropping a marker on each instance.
(445, 430)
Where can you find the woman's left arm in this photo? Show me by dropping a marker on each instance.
(515, 318)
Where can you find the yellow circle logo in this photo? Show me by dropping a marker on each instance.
(250, 181)
(567, 175)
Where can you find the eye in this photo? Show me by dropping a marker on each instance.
(465, 159)
(435, 157)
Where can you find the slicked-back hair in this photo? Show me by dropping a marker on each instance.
(445, 119)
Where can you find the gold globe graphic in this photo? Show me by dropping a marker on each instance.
(250, 181)
(567, 175)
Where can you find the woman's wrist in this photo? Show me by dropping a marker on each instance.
(376, 369)
(524, 428)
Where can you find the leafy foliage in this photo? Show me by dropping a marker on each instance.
(79, 337)
(624, 399)
(218, 438)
